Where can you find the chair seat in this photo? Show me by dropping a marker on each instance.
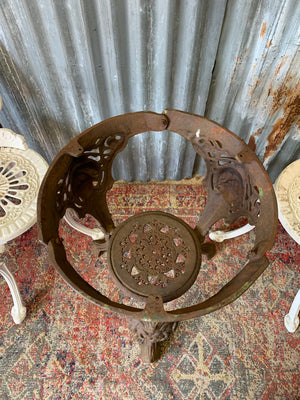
(287, 189)
(21, 173)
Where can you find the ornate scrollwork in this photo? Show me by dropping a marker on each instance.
(88, 173)
(237, 185)
(154, 253)
(150, 335)
(14, 184)
(228, 176)
(152, 331)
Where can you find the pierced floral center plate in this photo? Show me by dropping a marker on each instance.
(155, 253)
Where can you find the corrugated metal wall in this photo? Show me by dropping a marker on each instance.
(66, 65)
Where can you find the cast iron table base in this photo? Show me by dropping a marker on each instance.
(156, 256)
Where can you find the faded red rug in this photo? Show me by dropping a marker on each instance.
(68, 348)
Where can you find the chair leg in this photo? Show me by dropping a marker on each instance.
(291, 320)
(18, 311)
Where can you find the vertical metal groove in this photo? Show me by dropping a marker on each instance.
(65, 66)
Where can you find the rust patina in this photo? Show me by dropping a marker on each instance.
(166, 251)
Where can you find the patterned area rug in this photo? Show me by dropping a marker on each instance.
(68, 348)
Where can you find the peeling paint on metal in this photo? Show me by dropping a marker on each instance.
(263, 29)
(269, 43)
(283, 60)
(287, 99)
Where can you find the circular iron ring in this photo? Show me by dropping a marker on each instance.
(236, 182)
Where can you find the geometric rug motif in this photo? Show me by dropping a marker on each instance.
(69, 348)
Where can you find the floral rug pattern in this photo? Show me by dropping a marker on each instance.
(68, 348)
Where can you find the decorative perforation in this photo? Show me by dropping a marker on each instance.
(19, 182)
(154, 254)
(12, 186)
(227, 174)
(89, 172)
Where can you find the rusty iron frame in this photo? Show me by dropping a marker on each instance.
(236, 182)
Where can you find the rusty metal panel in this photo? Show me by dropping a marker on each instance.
(65, 66)
(257, 74)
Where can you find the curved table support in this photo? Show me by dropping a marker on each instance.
(94, 233)
(220, 236)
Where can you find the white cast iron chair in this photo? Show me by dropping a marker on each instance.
(287, 188)
(21, 173)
